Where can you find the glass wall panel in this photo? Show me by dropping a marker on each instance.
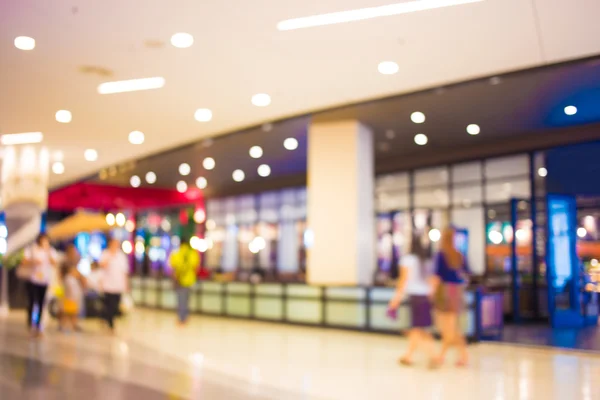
(434, 198)
(431, 177)
(503, 191)
(390, 201)
(472, 219)
(469, 172)
(507, 167)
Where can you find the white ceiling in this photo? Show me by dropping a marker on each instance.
(239, 52)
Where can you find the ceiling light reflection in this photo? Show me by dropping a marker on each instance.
(131, 85)
(367, 13)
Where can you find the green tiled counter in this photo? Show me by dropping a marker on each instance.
(358, 308)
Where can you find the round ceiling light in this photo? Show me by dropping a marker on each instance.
(181, 186)
(473, 129)
(90, 155)
(203, 115)
(182, 40)
(417, 117)
(256, 152)
(24, 43)
(201, 182)
(421, 139)
(209, 163)
(543, 172)
(238, 175)
(136, 137)
(150, 177)
(570, 110)
(185, 169)
(388, 68)
(58, 168)
(290, 144)
(261, 100)
(63, 116)
(264, 170)
(135, 181)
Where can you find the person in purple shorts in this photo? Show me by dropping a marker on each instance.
(450, 279)
(415, 274)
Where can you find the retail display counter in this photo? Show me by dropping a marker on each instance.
(354, 308)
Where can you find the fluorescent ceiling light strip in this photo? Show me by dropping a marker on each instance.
(368, 13)
(131, 85)
(11, 139)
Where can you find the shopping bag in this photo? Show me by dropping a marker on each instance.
(127, 304)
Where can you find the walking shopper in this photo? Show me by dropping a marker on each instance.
(115, 280)
(450, 280)
(185, 262)
(415, 272)
(41, 259)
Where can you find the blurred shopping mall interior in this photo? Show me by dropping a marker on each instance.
(301, 148)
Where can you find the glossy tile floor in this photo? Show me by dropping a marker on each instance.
(228, 359)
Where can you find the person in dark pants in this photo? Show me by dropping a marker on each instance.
(185, 262)
(115, 280)
(41, 259)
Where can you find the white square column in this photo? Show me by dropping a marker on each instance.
(341, 214)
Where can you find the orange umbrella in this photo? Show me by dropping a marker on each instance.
(78, 223)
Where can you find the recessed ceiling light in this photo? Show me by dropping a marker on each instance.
(58, 168)
(290, 143)
(238, 175)
(473, 129)
(570, 110)
(24, 43)
(264, 170)
(209, 163)
(417, 117)
(256, 152)
(63, 116)
(181, 186)
(421, 139)
(367, 13)
(150, 177)
(132, 85)
(203, 115)
(388, 68)
(261, 100)
(136, 137)
(185, 169)
(135, 181)
(543, 172)
(10, 139)
(90, 155)
(384, 146)
(201, 182)
(182, 40)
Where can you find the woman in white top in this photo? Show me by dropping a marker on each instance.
(115, 266)
(416, 271)
(41, 259)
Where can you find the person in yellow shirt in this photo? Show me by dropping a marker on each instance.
(184, 262)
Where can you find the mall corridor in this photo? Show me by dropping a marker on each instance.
(214, 358)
